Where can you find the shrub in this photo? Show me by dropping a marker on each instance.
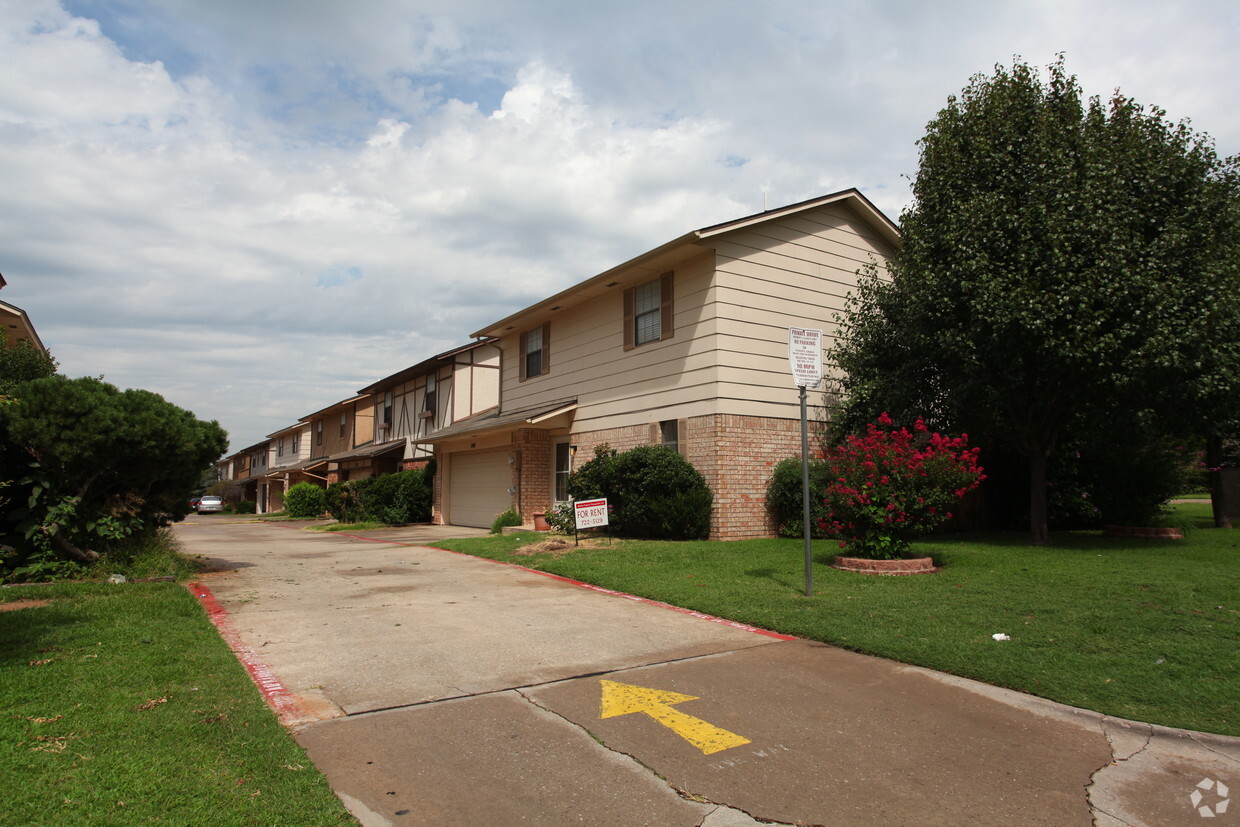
(889, 485)
(305, 499)
(783, 497)
(394, 499)
(245, 507)
(343, 502)
(397, 499)
(653, 491)
(504, 520)
(562, 517)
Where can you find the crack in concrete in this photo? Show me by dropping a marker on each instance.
(465, 695)
(692, 797)
(1232, 759)
(1106, 724)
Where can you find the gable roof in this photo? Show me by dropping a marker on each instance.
(423, 367)
(352, 400)
(17, 326)
(664, 257)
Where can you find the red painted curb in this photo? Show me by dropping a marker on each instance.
(699, 615)
(283, 702)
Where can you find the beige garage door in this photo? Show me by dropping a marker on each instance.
(478, 487)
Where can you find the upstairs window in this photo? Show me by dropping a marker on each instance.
(344, 424)
(280, 447)
(387, 408)
(535, 352)
(429, 404)
(296, 443)
(648, 312)
(318, 432)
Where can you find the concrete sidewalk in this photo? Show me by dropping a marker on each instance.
(442, 689)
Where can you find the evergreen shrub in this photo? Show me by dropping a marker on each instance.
(653, 492)
(305, 499)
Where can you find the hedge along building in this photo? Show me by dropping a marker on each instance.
(685, 345)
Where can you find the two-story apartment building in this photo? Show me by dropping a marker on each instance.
(288, 463)
(415, 402)
(684, 345)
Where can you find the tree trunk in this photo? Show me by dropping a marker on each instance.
(1039, 528)
(82, 555)
(1214, 478)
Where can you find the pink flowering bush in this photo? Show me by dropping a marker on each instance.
(889, 485)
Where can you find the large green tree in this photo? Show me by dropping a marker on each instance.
(1062, 258)
(100, 463)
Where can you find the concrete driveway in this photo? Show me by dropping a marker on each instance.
(436, 688)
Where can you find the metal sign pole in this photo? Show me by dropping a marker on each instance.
(805, 361)
(809, 572)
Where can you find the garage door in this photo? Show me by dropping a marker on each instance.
(478, 487)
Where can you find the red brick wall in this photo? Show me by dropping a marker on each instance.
(739, 455)
(437, 517)
(621, 439)
(533, 478)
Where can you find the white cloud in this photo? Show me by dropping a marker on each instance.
(256, 212)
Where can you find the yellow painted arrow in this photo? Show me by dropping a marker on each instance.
(625, 699)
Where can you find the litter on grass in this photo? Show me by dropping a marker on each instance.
(1000, 636)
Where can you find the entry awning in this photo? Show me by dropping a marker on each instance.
(307, 466)
(496, 421)
(371, 451)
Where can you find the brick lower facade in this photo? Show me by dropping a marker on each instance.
(531, 472)
(736, 454)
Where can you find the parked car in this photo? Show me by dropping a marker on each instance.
(193, 503)
(210, 503)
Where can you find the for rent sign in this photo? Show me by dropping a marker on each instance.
(590, 513)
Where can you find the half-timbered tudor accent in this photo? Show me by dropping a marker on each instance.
(433, 394)
(342, 434)
(685, 345)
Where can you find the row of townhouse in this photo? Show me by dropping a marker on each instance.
(685, 345)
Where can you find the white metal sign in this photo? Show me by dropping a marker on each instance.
(805, 356)
(590, 513)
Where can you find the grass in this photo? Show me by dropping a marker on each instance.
(1146, 630)
(368, 526)
(122, 705)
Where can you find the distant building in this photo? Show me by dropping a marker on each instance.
(16, 324)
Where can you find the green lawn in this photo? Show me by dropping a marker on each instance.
(1144, 630)
(122, 705)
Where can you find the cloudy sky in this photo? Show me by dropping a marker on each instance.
(256, 208)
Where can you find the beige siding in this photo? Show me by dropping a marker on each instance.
(475, 382)
(772, 277)
(733, 308)
(588, 360)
